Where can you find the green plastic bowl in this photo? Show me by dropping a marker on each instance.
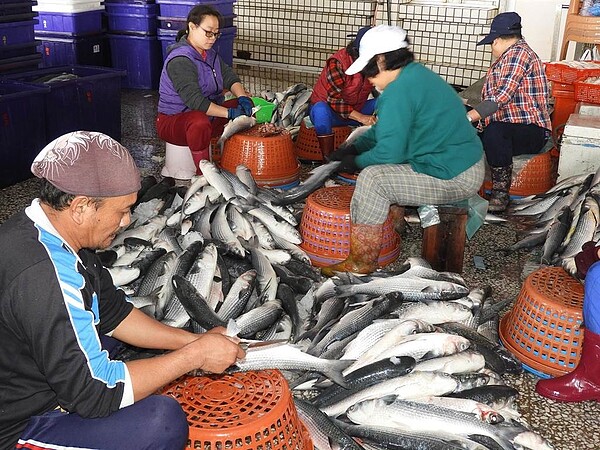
(264, 114)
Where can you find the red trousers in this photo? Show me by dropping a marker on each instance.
(193, 129)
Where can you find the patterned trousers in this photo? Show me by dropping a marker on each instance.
(380, 186)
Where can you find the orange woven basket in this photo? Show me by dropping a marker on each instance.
(271, 159)
(325, 228)
(564, 73)
(242, 411)
(307, 143)
(215, 150)
(543, 328)
(536, 177)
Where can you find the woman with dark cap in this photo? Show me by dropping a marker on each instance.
(514, 106)
(340, 99)
(191, 106)
(421, 150)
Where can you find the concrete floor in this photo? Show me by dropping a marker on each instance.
(567, 426)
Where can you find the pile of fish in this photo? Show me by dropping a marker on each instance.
(564, 218)
(421, 351)
(291, 106)
(411, 350)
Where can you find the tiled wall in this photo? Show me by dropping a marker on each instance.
(282, 43)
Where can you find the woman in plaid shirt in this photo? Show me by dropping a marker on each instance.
(340, 99)
(514, 107)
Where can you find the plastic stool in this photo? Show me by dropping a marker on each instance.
(178, 162)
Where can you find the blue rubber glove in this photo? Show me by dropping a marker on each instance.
(348, 164)
(246, 104)
(339, 154)
(232, 113)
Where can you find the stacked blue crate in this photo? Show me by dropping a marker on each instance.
(132, 29)
(71, 33)
(173, 15)
(18, 48)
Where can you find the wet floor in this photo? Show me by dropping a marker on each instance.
(567, 426)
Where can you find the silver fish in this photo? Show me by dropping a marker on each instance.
(411, 385)
(461, 362)
(277, 226)
(290, 357)
(422, 417)
(418, 346)
(322, 430)
(312, 183)
(237, 125)
(413, 288)
(375, 332)
(122, 275)
(216, 179)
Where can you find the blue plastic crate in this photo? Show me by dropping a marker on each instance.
(140, 56)
(138, 9)
(132, 23)
(223, 45)
(179, 23)
(21, 106)
(59, 50)
(17, 50)
(181, 8)
(16, 8)
(16, 32)
(87, 22)
(20, 63)
(90, 101)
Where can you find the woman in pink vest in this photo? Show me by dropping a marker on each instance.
(339, 99)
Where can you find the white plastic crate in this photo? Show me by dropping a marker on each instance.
(69, 6)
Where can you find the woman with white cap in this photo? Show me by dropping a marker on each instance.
(420, 151)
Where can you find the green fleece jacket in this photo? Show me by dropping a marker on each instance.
(421, 121)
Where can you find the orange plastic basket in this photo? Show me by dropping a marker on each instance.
(543, 328)
(307, 143)
(586, 91)
(536, 177)
(564, 73)
(325, 228)
(215, 150)
(242, 411)
(271, 159)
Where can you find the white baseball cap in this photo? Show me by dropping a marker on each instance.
(379, 39)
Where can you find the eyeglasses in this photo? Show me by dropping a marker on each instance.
(211, 34)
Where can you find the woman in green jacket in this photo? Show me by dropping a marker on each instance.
(421, 151)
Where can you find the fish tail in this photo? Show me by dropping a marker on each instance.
(334, 372)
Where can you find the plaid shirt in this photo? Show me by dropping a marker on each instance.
(336, 77)
(517, 82)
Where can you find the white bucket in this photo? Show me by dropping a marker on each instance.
(178, 162)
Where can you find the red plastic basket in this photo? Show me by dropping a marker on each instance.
(565, 73)
(325, 228)
(270, 158)
(307, 144)
(536, 177)
(587, 91)
(241, 411)
(544, 327)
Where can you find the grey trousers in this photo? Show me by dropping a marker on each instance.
(379, 186)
